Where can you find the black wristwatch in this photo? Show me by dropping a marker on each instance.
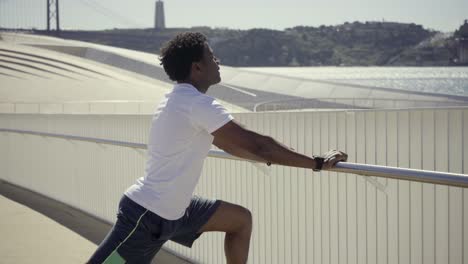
(318, 163)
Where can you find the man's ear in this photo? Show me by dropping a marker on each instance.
(196, 67)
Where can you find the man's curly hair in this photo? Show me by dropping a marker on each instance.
(178, 54)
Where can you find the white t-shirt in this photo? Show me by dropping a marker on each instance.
(179, 141)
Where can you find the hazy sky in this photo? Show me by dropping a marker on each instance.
(445, 15)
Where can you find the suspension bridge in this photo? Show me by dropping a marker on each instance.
(47, 15)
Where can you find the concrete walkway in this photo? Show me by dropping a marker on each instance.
(36, 229)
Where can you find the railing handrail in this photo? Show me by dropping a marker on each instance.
(434, 177)
(354, 100)
(332, 99)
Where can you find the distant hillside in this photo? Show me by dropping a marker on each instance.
(349, 44)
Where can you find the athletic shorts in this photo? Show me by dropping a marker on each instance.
(139, 234)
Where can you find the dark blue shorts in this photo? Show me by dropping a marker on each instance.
(139, 234)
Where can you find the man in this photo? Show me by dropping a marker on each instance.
(160, 206)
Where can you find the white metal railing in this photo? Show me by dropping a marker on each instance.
(146, 107)
(352, 103)
(299, 216)
(435, 177)
(89, 107)
(67, 107)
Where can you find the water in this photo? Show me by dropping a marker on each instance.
(443, 80)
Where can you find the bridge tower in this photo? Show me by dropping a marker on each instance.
(53, 13)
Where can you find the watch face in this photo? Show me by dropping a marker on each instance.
(319, 163)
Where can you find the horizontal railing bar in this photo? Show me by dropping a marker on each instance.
(434, 177)
(270, 101)
(71, 137)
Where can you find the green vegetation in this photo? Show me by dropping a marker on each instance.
(349, 44)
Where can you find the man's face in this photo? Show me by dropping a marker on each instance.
(210, 66)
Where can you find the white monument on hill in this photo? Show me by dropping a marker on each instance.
(159, 20)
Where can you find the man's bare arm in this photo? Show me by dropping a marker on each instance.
(245, 143)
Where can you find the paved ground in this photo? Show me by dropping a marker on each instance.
(36, 229)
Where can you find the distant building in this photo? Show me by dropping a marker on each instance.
(462, 44)
(159, 19)
(463, 51)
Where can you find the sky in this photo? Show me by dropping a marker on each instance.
(439, 15)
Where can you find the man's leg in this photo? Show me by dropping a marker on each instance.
(236, 221)
(134, 238)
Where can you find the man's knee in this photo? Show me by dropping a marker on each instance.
(229, 218)
(245, 220)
